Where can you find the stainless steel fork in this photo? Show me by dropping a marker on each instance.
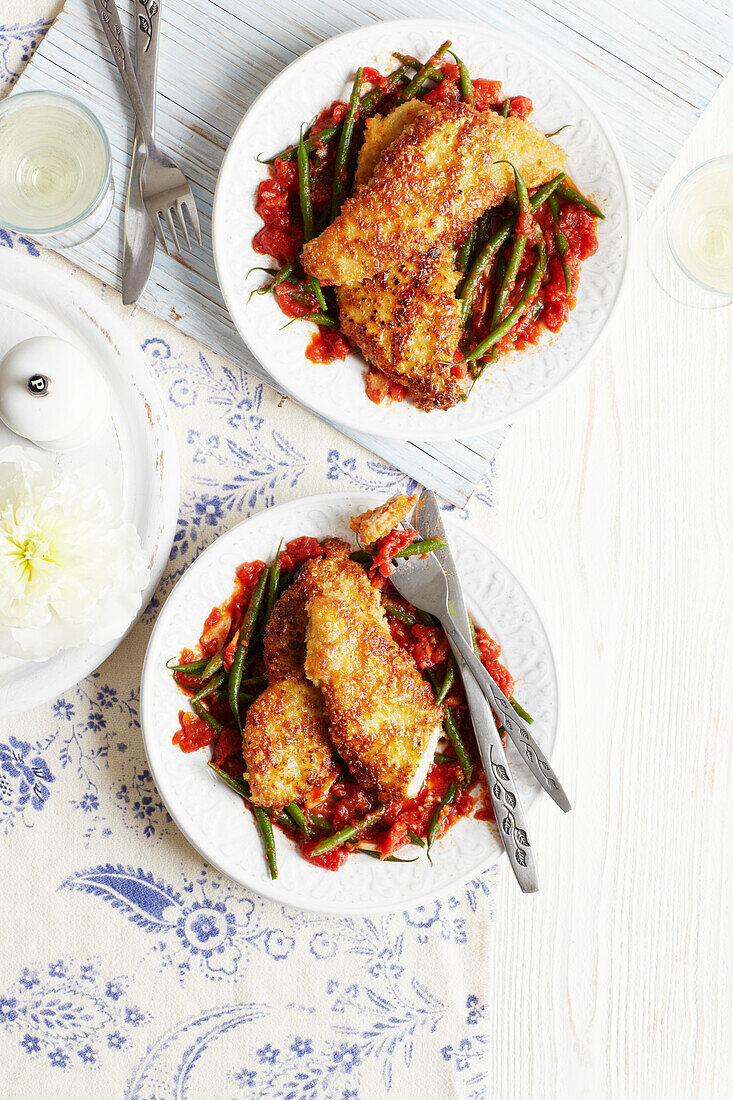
(163, 186)
(423, 582)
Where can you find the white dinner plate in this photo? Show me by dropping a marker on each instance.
(336, 392)
(136, 460)
(213, 818)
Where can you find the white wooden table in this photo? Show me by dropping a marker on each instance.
(614, 504)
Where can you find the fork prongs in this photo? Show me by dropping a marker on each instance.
(158, 229)
(172, 227)
(181, 218)
(189, 206)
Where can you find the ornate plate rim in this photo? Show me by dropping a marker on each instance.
(279, 889)
(390, 425)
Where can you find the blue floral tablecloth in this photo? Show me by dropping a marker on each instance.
(128, 966)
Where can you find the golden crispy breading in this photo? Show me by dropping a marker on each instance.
(380, 132)
(286, 744)
(407, 323)
(284, 640)
(428, 188)
(384, 721)
(335, 575)
(377, 522)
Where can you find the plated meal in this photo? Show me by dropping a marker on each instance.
(331, 704)
(428, 223)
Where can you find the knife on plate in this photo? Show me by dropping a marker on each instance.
(138, 247)
(504, 796)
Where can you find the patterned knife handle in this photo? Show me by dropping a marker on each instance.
(514, 725)
(112, 27)
(507, 807)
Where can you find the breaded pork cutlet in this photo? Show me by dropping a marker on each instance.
(373, 524)
(384, 721)
(427, 189)
(286, 744)
(336, 575)
(407, 323)
(379, 133)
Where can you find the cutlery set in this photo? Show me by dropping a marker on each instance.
(432, 583)
(157, 189)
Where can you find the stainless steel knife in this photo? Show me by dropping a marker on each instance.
(429, 520)
(505, 799)
(138, 248)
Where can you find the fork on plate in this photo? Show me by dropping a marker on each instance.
(164, 188)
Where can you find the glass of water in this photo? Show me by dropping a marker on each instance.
(55, 169)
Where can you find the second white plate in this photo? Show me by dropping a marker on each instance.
(322, 75)
(214, 820)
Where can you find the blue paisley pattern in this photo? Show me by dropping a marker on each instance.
(17, 43)
(181, 922)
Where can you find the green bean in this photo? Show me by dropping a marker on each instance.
(560, 240)
(371, 99)
(268, 838)
(446, 685)
(481, 264)
(521, 711)
(465, 79)
(311, 145)
(474, 639)
(273, 584)
(240, 787)
(520, 243)
(204, 715)
(320, 823)
(415, 839)
(543, 193)
(401, 613)
(243, 644)
(385, 859)
(451, 728)
(421, 75)
(191, 669)
(464, 252)
(412, 62)
(283, 274)
(422, 546)
(510, 277)
(299, 818)
(210, 686)
(446, 800)
(253, 682)
(324, 319)
(361, 556)
(337, 839)
(505, 108)
(565, 191)
(306, 210)
(441, 758)
(559, 130)
(342, 156)
(232, 781)
(510, 321)
(213, 664)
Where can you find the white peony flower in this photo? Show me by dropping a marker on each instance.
(70, 572)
